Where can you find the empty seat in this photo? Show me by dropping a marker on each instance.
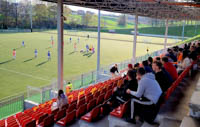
(96, 94)
(81, 110)
(71, 107)
(69, 118)
(47, 122)
(80, 102)
(103, 91)
(54, 112)
(91, 104)
(92, 115)
(65, 106)
(30, 124)
(100, 99)
(60, 115)
(41, 118)
(108, 94)
(89, 97)
(119, 111)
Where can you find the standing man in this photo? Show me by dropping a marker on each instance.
(70, 39)
(36, 53)
(23, 45)
(75, 46)
(14, 53)
(49, 55)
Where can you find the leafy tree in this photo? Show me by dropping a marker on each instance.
(122, 20)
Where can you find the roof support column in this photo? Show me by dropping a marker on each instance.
(60, 42)
(166, 34)
(183, 30)
(98, 43)
(135, 39)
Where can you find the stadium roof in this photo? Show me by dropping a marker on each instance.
(160, 9)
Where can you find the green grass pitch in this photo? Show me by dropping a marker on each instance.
(15, 75)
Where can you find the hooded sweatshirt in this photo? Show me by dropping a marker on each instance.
(148, 87)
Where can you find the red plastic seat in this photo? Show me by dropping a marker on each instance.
(89, 98)
(81, 110)
(108, 94)
(103, 91)
(48, 121)
(41, 118)
(91, 104)
(30, 124)
(65, 106)
(71, 107)
(119, 111)
(92, 115)
(80, 102)
(54, 112)
(69, 118)
(96, 94)
(100, 99)
(60, 115)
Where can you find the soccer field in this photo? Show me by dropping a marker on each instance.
(15, 75)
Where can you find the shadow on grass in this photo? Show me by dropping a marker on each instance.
(71, 52)
(18, 48)
(88, 54)
(41, 63)
(7, 61)
(49, 47)
(28, 60)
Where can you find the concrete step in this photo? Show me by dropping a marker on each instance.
(166, 122)
(194, 105)
(190, 122)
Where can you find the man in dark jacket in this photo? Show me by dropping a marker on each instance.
(120, 96)
(161, 78)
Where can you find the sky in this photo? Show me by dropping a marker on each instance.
(75, 8)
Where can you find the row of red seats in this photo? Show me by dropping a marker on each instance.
(80, 104)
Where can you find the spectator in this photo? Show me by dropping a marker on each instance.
(130, 67)
(136, 66)
(180, 55)
(150, 61)
(170, 68)
(146, 66)
(113, 70)
(193, 53)
(146, 97)
(62, 99)
(158, 59)
(186, 62)
(171, 55)
(161, 78)
(120, 96)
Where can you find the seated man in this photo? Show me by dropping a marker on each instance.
(161, 78)
(169, 67)
(120, 96)
(146, 66)
(146, 97)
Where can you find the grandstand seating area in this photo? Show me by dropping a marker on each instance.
(85, 104)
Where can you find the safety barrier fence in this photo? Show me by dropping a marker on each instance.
(14, 104)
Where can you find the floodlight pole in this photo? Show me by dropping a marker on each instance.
(98, 43)
(60, 42)
(166, 34)
(183, 30)
(135, 39)
(31, 15)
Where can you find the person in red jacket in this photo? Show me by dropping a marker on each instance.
(170, 68)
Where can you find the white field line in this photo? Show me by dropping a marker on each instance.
(24, 74)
